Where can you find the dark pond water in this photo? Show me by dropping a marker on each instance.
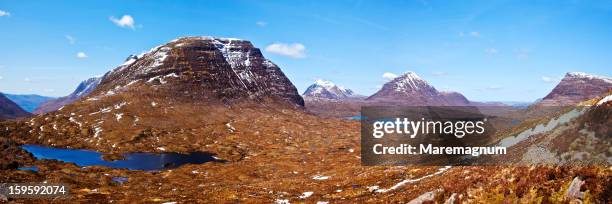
(357, 117)
(132, 161)
(30, 168)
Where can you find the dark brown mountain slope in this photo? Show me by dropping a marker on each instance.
(576, 87)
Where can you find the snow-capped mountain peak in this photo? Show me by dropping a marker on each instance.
(328, 90)
(409, 81)
(587, 76)
(409, 88)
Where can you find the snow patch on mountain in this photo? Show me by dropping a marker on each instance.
(604, 100)
(408, 81)
(87, 86)
(588, 76)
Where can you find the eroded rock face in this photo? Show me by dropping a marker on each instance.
(9, 109)
(410, 89)
(205, 67)
(576, 87)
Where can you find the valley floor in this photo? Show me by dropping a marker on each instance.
(312, 160)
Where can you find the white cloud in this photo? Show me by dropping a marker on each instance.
(81, 55)
(70, 39)
(522, 54)
(1, 77)
(439, 73)
(475, 34)
(491, 51)
(27, 79)
(551, 79)
(295, 50)
(4, 13)
(126, 21)
(389, 75)
(261, 23)
(494, 87)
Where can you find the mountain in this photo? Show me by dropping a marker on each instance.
(410, 89)
(576, 87)
(84, 88)
(29, 102)
(323, 89)
(190, 89)
(215, 69)
(9, 109)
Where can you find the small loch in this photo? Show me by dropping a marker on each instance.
(133, 161)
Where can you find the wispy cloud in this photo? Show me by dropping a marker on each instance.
(4, 13)
(522, 53)
(81, 55)
(471, 34)
(261, 23)
(295, 50)
(491, 51)
(439, 73)
(494, 87)
(70, 39)
(1, 78)
(389, 76)
(548, 79)
(126, 21)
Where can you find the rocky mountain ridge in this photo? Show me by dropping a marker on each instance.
(576, 87)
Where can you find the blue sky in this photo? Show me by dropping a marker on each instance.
(487, 50)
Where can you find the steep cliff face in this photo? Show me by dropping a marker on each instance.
(83, 89)
(9, 109)
(410, 89)
(576, 87)
(205, 68)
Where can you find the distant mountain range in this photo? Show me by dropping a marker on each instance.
(28, 102)
(84, 88)
(323, 89)
(10, 110)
